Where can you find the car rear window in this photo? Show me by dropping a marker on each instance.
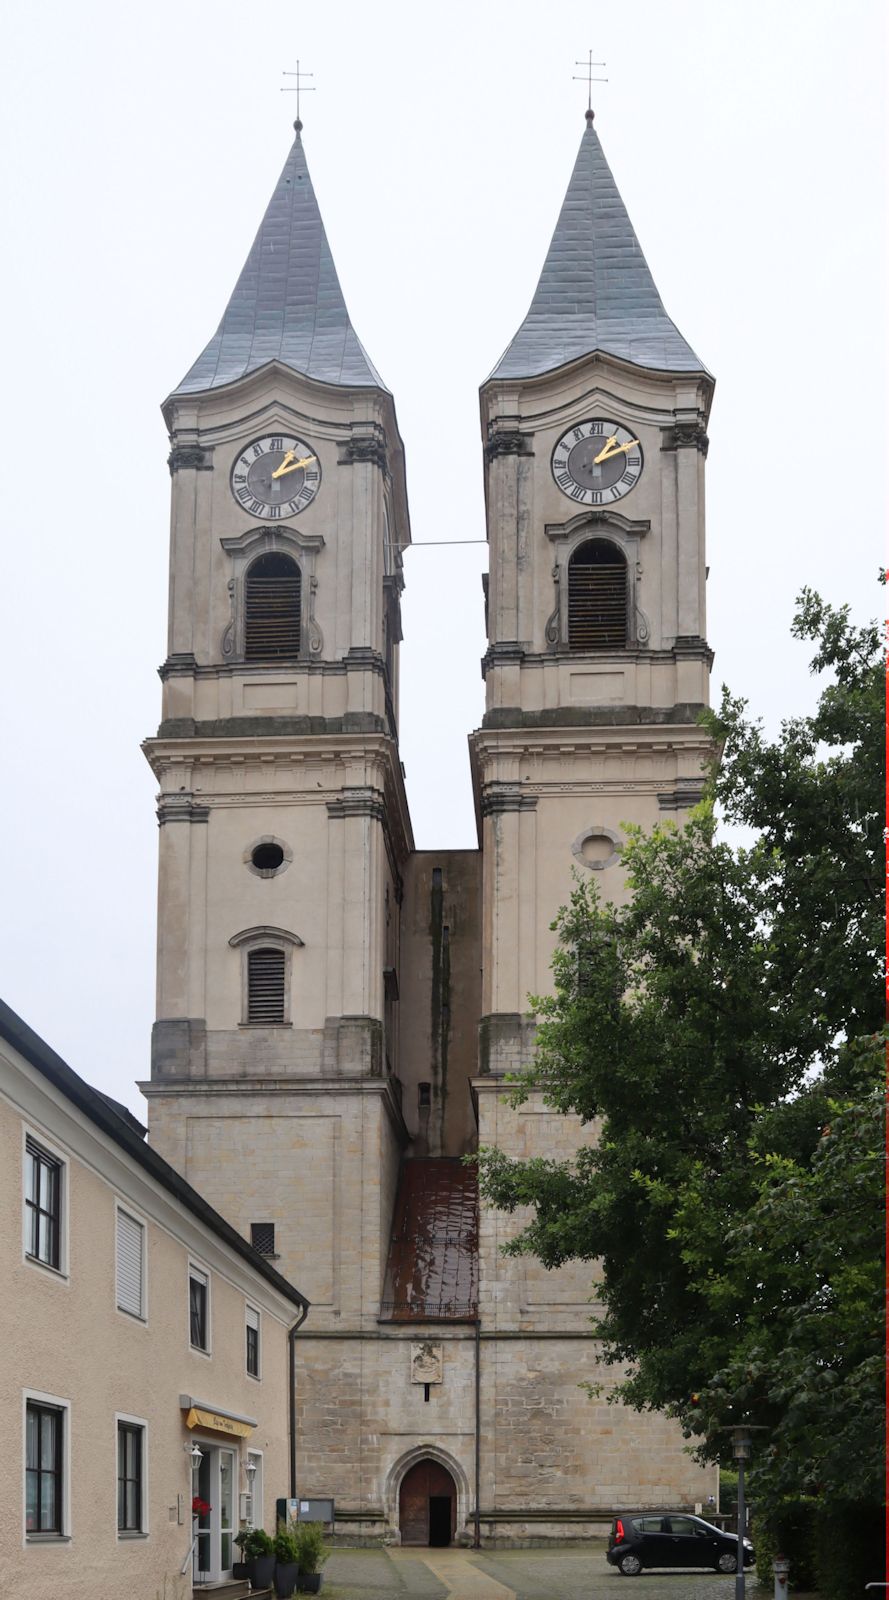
(650, 1524)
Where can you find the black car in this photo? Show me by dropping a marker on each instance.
(672, 1539)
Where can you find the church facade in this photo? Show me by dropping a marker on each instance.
(336, 1010)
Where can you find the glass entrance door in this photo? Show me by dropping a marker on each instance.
(225, 1526)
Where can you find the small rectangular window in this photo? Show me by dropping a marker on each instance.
(252, 1342)
(129, 1477)
(130, 1265)
(262, 1238)
(43, 1468)
(198, 1295)
(43, 1205)
(424, 1095)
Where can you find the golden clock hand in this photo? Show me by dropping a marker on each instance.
(606, 450)
(283, 465)
(294, 466)
(625, 447)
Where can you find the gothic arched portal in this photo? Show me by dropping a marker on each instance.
(427, 1504)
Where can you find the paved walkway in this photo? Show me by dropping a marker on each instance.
(563, 1572)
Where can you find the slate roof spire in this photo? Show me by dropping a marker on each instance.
(596, 292)
(287, 304)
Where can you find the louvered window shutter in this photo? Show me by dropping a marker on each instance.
(252, 1342)
(272, 602)
(265, 986)
(597, 598)
(129, 1264)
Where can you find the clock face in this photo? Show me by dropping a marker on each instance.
(276, 476)
(597, 462)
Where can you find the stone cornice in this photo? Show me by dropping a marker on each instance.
(497, 798)
(597, 517)
(360, 801)
(180, 808)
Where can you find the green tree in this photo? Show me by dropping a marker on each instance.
(713, 1025)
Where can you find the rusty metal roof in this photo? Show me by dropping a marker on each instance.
(432, 1272)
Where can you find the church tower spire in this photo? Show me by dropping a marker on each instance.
(287, 304)
(596, 292)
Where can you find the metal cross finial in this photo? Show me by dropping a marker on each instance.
(307, 88)
(590, 80)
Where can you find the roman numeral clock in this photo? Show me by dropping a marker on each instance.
(276, 476)
(597, 462)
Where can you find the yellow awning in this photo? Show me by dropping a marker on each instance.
(219, 1424)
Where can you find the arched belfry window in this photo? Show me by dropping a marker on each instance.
(272, 608)
(597, 597)
(266, 974)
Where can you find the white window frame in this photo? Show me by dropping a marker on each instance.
(55, 1154)
(255, 1377)
(32, 1540)
(126, 1535)
(199, 1267)
(140, 1318)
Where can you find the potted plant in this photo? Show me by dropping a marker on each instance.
(259, 1557)
(239, 1568)
(286, 1561)
(312, 1553)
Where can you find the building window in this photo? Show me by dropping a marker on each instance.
(265, 986)
(424, 1095)
(130, 1265)
(252, 1342)
(272, 606)
(597, 597)
(198, 1308)
(43, 1205)
(130, 1438)
(262, 1238)
(43, 1467)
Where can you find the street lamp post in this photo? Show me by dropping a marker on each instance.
(742, 1444)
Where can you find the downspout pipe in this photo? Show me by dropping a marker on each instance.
(291, 1393)
(477, 1536)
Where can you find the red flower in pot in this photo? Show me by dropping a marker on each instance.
(199, 1507)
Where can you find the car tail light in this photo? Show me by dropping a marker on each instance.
(619, 1530)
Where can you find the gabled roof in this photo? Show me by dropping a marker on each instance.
(287, 305)
(596, 292)
(120, 1125)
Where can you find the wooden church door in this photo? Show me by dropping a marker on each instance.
(427, 1505)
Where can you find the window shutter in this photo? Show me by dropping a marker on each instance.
(272, 596)
(265, 986)
(597, 598)
(252, 1318)
(129, 1264)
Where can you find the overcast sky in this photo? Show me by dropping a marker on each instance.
(141, 146)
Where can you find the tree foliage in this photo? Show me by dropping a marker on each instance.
(722, 1028)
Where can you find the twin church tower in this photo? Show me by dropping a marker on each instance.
(335, 1009)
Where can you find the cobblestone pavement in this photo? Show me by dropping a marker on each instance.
(560, 1573)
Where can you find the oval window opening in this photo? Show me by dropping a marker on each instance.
(267, 857)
